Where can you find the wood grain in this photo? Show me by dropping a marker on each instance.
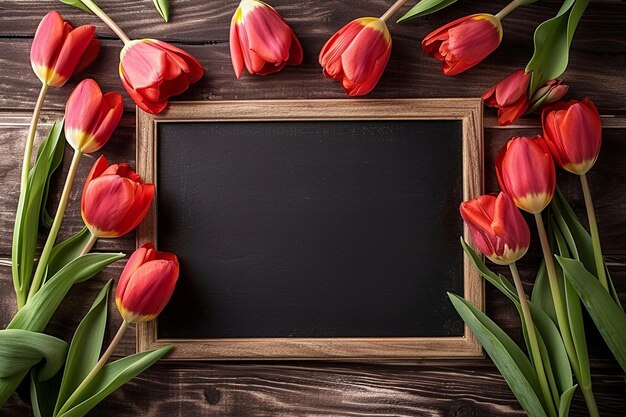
(457, 388)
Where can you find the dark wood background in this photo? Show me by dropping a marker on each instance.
(417, 388)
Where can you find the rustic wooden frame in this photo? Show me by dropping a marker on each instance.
(469, 111)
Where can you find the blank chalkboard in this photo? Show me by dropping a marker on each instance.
(299, 228)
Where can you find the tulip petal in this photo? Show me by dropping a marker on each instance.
(144, 194)
(43, 53)
(295, 51)
(113, 107)
(268, 34)
(71, 52)
(107, 202)
(236, 55)
(144, 254)
(96, 170)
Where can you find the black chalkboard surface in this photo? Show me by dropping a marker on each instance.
(311, 229)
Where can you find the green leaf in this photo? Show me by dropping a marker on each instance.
(111, 377)
(498, 281)
(77, 3)
(34, 316)
(163, 8)
(608, 317)
(43, 394)
(55, 161)
(552, 41)
(425, 7)
(22, 349)
(566, 401)
(66, 251)
(542, 294)
(85, 348)
(506, 355)
(31, 201)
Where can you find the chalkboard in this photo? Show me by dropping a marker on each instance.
(297, 230)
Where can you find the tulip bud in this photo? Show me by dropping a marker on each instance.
(58, 49)
(91, 117)
(552, 91)
(152, 71)
(357, 55)
(497, 227)
(146, 284)
(573, 132)
(526, 172)
(115, 200)
(464, 43)
(261, 40)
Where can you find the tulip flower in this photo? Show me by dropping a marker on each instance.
(510, 96)
(357, 55)
(261, 40)
(500, 232)
(573, 132)
(497, 227)
(146, 284)
(58, 49)
(152, 71)
(91, 117)
(525, 171)
(464, 43)
(115, 199)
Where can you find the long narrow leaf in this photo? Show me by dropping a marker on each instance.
(426, 7)
(113, 376)
(163, 8)
(506, 355)
(566, 401)
(78, 4)
(55, 161)
(608, 317)
(21, 349)
(66, 251)
(43, 394)
(85, 348)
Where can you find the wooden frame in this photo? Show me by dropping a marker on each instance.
(469, 111)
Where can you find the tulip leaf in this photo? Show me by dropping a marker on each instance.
(66, 251)
(22, 349)
(607, 315)
(77, 3)
(506, 355)
(566, 401)
(85, 348)
(498, 281)
(541, 294)
(426, 7)
(552, 41)
(56, 150)
(163, 8)
(43, 394)
(30, 204)
(111, 377)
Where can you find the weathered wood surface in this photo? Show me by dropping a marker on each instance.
(434, 388)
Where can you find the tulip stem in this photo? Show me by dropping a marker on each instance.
(393, 10)
(508, 9)
(555, 289)
(56, 225)
(532, 339)
(89, 245)
(30, 139)
(595, 235)
(107, 20)
(92, 374)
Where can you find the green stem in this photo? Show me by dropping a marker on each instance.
(508, 9)
(392, 10)
(534, 343)
(559, 305)
(30, 139)
(590, 400)
(595, 235)
(92, 374)
(56, 225)
(107, 20)
(89, 245)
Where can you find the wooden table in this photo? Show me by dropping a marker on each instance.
(238, 389)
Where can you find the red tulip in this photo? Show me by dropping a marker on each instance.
(526, 172)
(357, 55)
(573, 132)
(58, 49)
(497, 227)
(461, 44)
(115, 200)
(146, 284)
(91, 117)
(261, 40)
(153, 71)
(510, 96)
